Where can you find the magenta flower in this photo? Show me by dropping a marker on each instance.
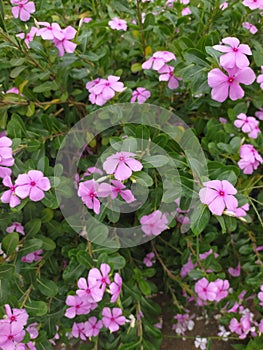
(106, 89)
(253, 4)
(250, 159)
(99, 278)
(23, 9)
(90, 291)
(206, 290)
(93, 327)
(113, 191)
(28, 37)
(248, 125)
(13, 90)
(158, 59)
(9, 196)
(148, 260)
(16, 227)
(141, 95)
(122, 164)
(154, 223)
(78, 330)
(50, 31)
(115, 287)
(16, 315)
(241, 328)
(167, 74)
(65, 45)
(186, 11)
(78, 306)
(223, 85)
(113, 319)
(187, 267)
(32, 185)
(222, 289)
(218, 195)
(118, 24)
(235, 54)
(253, 29)
(88, 192)
(11, 334)
(234, 271)
(31, 257)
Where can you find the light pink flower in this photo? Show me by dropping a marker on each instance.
(260, 295)
(234, 271)
(16, 227)
(106, 89)
(113, 190)
(22, 9)
(13, 90)
(99, 278)
(167, 74)
(78, 330)
(65, 45)
(260, 80)
(250, 159)
(222, 289)
(32, 185)
(241, 211)
(235, 54)
(184, 322)
(9, 196)
(253, 29)
(187, 267)
(148, 260)
(186, 11)
(16, 315)
(248, 125)
(223, 85)
(218, 195)
(93, 327)
(141, 95)
(113, 319)
(6, 157)
(118, 24)
(31, 257)
(87, 19)
(154, 223)
(253, 4)
(28, 37)
(158, 59)
(259, 114)
(11, 334)
(50, 31)
(88, 192)
(78, 306)
(206, 290)
(115, 287)
(224, 5)
(122, 164)
(32, 329)
(90, 291)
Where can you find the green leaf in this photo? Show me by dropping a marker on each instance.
(36, 308)
(118, 261)
(2, 16)
(199, 219)
(47, 287)
(136, 67)
(142, 178)
(221, 221)
(32, 227)
(47, 243)
(85, 259)
(155, 161)
(10, 242)
(6, 271)
(17, 71)
(145, 287)
(30, 246)
(47, 86)
(129, 346)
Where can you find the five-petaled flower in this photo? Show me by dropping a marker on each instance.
(113, 319)
(154, 223)
(22, 9)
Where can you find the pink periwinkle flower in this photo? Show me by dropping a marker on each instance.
(241, 328)
(167, 74)
(206, 290)
(6, 158)
(234, 271)
(259, 114)
(260, 295)
(16, 227)
(140, 95)
(65, 45)
(78, 306)
(184, 322)
(186, 11)
(248, 125)
(50, 31)
(93, 327)
(32, 257)
(91, 292)
(253, 29)
(204, 255)
(154, 223)
(9, 196)
(187, 267)
(32, 185)
(122, 164)
(115, 287)
(78, 330)
(222, 289)
(218, 195)
(28, 37)
(116, 188)
(250, 159)
(103, 90)
(241, 211)
(118, 24)
(235, 54)
(11, 335)
(113, 319)
(99, 277)
(23, 9)
(223, 85)
(16, 315)
(88, 192)
(13, 90)
(260, 80)
(158, 59)
(253, 4)
(223, 6)
(32, 329)
(149, 259)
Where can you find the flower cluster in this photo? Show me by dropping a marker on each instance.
(212, 291)
(158, 61)
(250, 159)
(184, 322)
(32, 257)
(103, 90)
(91, 291)
(235, 63)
